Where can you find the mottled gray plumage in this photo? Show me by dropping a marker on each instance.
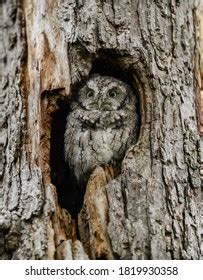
(102, 125)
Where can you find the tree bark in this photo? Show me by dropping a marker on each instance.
(201, 117)
(49, 48)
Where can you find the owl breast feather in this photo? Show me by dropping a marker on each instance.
(93, 139)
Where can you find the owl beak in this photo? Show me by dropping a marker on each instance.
(99, 103)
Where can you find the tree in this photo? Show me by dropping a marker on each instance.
(49, 48)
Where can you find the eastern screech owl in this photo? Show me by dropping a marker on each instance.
(102, 124)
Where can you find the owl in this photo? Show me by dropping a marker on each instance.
(102, 124)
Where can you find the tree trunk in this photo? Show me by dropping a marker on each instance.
(49, 48)
(201, 117)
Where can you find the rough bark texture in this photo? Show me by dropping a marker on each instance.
(201, 116)
(49, 48)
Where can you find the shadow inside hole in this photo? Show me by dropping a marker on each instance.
(109, 67)
(68, 196)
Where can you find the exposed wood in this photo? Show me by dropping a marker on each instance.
(93, 218)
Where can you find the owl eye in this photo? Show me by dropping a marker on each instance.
(112, 93)
(90, 93)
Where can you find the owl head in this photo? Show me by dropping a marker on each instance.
(104, 93)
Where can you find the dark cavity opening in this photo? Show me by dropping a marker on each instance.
(60, 175)
(108, 63)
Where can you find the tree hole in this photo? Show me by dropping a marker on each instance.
(69, 196)
(60, 176)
